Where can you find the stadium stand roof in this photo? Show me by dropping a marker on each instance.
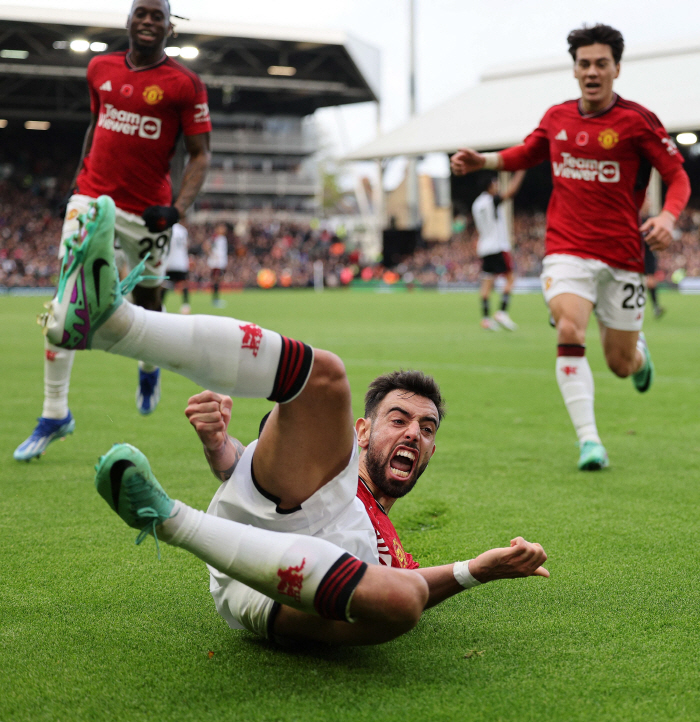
(39, 73)
(508, 102)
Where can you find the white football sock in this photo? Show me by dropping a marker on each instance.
(576, 385)
(58, 363)
(218, 353)
(304, 572)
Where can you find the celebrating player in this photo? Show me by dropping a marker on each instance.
(601, 148)
(286, 525)
(140, 100)
(493, 248)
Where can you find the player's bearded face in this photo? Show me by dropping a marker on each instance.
(379, 463)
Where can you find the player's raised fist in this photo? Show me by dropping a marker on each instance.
(210, 414)
(160, 218)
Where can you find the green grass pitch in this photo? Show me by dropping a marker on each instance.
(94, 628)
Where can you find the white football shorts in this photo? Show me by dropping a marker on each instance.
(132, 239)
(333, 513)
(619, 296)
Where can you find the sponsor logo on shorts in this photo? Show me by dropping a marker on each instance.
(547, 283)
(153, 94)
(582, 138)
(252, 336)
(123, 121)
(127, 90)
(291, 581)
(586, 169)
(72, 213)
(608, 138)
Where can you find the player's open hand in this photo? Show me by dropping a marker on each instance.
(466, 161)
(658, 231)
(210, 414)
(520, 559)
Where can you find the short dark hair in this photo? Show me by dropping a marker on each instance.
(599, 33)
(415, 382)
(487, 179)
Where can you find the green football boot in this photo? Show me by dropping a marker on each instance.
(642, 380)
(593, 457)
(125, 481)
(88, 288)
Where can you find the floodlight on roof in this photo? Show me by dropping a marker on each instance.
(60, 44)
(287, 70)
(37, 125)
(79, 46)
(172, 50)
(98, 47)
(3, 123)
(687, 138)
(189, 52)
(14, 54)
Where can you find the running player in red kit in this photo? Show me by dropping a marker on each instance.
(141, 100)
(601, 148)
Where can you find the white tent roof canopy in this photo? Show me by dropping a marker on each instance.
(508, 102)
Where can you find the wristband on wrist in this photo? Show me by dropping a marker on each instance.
(464, 576)
(491, 161)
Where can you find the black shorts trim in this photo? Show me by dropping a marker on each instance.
(271, 497)
(497, 263)
(177, 276)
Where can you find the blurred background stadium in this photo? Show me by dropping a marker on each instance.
(287, 200)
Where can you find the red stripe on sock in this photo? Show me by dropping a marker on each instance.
(571, 349)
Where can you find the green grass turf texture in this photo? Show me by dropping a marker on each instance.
(93, 628)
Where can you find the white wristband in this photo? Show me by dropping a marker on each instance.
(491, 161)
(463, 575)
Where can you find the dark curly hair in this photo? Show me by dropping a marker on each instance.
(415, 382)
(603, 34)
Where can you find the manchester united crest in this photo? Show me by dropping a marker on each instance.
(608, 138)
(153, 94)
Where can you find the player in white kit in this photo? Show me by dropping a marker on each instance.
(177, 266)
(493, 248)
(286, 527)
(217, 261)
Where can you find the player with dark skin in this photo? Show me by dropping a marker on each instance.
(304, 444)
(149, 27)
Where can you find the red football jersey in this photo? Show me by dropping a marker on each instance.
(601, 164)
(391, 551)
(141, 112)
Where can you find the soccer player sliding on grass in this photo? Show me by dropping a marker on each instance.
(602, 149)
(293, 552)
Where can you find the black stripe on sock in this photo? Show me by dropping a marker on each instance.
(292, 371)
(337, 586)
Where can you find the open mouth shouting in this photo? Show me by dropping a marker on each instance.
(403, 462)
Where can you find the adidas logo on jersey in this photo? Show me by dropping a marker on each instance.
(107, 85)
(561, 135)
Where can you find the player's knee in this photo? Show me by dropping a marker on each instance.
(406, 602)
(328, 376)
(569, 332)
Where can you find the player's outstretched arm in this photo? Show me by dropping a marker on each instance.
(210, 414)
(520, 559)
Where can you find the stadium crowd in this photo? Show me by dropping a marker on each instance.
(30, 227)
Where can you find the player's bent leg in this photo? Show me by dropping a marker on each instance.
(627, 354)
(304, 572)
(387, 603)
(309, 440)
